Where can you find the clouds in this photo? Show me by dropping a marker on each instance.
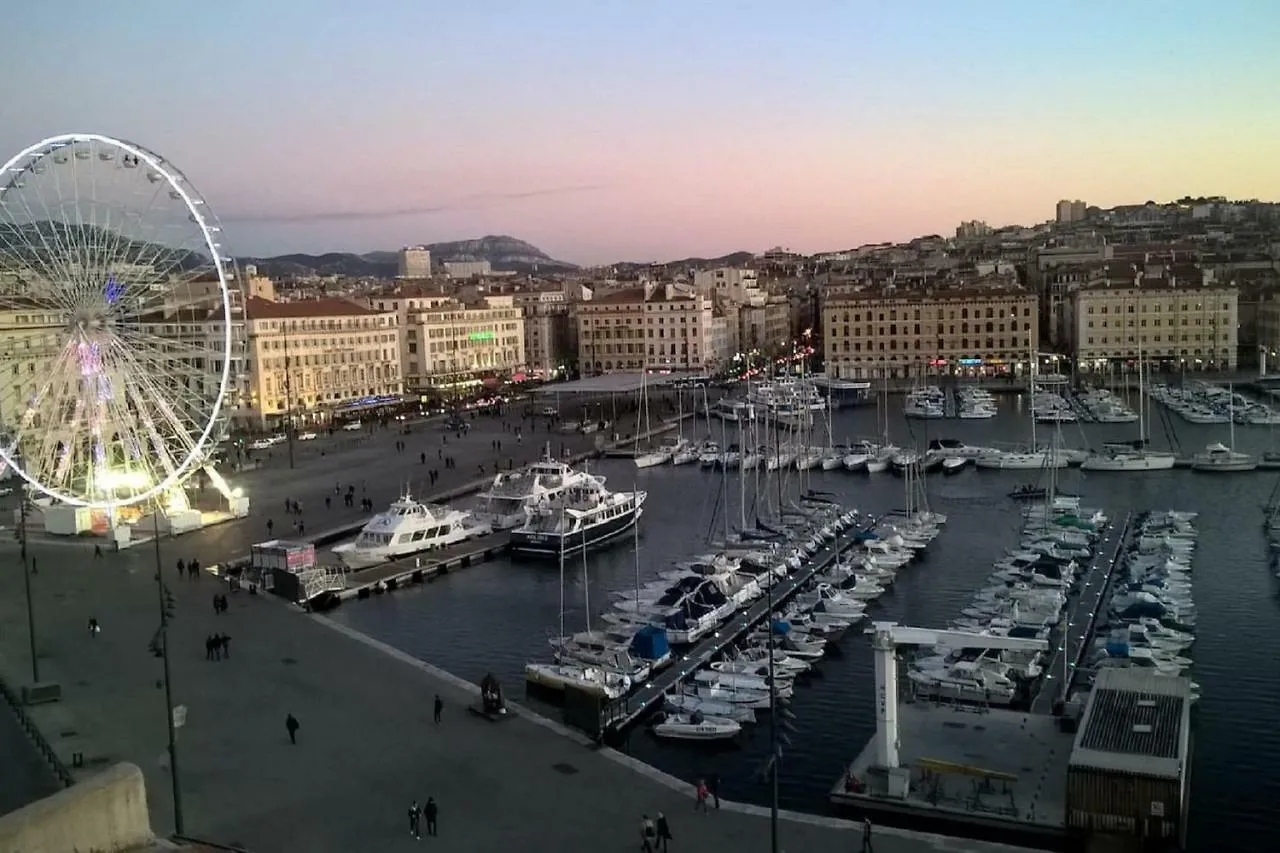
(471, 202)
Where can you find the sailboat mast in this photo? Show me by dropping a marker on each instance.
(561, 634)
(586, 581)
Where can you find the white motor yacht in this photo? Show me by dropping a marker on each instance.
(408, 527)
(503, 504)
(1219, 458)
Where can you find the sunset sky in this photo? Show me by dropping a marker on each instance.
(626, 130)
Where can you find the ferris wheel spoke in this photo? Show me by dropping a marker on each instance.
(40, 437)
(57, 244)
(162, 425)
(164, 389)
(37, 252)
(183, 354)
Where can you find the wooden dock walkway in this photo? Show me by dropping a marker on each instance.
(1074, 636)
(425, 566)
(624, 713)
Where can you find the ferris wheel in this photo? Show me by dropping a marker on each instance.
(116, 341)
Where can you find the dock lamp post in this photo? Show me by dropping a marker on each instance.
(777, 736)
(160, 648)
(26, 581)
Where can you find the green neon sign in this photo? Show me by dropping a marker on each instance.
(480, 336)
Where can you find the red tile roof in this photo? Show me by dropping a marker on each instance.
(264, 309)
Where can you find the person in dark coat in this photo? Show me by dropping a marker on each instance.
(439, 708)
(292, 725)
(429, 811)
(664, 832)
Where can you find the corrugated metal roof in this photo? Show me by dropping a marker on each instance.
(1135, 722)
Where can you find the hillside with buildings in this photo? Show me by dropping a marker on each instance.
(1191, 285)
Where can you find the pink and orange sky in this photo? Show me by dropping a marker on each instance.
(615, 130)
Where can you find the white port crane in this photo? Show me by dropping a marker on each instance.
(886, 637)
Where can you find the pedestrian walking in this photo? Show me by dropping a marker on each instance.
(208, 647)
(415, 820)
(664, 832)
(97, 551)
(713, 786)
(182, 568)
(429, 811)
(94, 627)
(439, 709)
(292, 725)
(224, 643)
(270, 526)
(217, 604)
(648, 834)
(700, 796)
(327, 503)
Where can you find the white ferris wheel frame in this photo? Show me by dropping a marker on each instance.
(178, 183)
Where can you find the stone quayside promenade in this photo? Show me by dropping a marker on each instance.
(367, 745)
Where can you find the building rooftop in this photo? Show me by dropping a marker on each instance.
(264, 309)
(1135, 723)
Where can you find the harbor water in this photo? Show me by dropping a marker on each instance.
(496, 617)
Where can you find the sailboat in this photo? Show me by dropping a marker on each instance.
(1033, 458)
(578, 675)
(655, 456)
(1221, 458)
(1135, 456)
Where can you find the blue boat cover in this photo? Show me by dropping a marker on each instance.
(650, 643)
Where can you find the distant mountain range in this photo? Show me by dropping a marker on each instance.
(733, 259)
(502, 252)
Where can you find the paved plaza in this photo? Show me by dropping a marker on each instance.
(367, 745)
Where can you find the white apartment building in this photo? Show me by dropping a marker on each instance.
(451, 347)
(317, 359)
(415, 262)
(467, 269)
(1188, 326)
(654, 327)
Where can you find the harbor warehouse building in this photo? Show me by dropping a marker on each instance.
(1129, 772)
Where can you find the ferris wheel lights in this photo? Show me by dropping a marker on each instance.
(115, 371)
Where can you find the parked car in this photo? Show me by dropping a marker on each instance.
(353, 426)
(308, 436)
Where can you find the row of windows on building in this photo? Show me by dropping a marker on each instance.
(326, 359)
(892, 329)
(964, 314)
(608, 334)
(1198, 321)
(1155, 308)
(326, 343)
(941, 344)
(1156, 339)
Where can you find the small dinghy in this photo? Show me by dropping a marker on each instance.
(696, 726)
(954, 465)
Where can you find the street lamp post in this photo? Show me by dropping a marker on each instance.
(288, 393)
(165, 601)
(26, 580)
